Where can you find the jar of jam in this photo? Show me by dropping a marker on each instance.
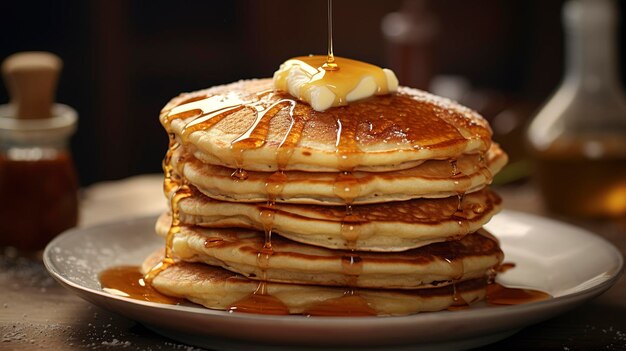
(38, 182)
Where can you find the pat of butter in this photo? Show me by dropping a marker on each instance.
(306, 79)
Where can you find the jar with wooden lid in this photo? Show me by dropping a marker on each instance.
(38, 180)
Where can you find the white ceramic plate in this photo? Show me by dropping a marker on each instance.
(571, 264)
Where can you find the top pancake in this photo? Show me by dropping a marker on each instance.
(249, 125)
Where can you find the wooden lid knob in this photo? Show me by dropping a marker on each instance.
(31, 79)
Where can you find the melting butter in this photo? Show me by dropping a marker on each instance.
(306, 79)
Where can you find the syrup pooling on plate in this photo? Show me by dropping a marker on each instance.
(260, 302)
(127, 281)
(498, 294)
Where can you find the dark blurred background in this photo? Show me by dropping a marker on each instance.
(125, 59)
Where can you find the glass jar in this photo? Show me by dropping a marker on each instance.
(578, 139)
(38, 181)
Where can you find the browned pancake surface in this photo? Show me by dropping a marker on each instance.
(383, 132)
(217, 288)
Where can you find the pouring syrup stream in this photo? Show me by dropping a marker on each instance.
(330, 64)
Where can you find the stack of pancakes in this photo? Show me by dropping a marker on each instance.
(375, 208)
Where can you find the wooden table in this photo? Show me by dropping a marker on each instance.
(37, 313)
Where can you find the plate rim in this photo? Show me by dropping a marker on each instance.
(590, 291)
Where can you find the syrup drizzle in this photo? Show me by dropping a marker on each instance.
(461, 182)
(255, 137)
(239, 174)
(213, 242)
(256, 134)
(457, 298)
(347, 187)
(207, 120)
(352, 267)
(484, 169)
(401, 122)
(460, 179)
(177, 189)
(455, 168)
(330, 64)
(170, 181)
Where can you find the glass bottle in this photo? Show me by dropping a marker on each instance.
(578, 138)
(38, 182)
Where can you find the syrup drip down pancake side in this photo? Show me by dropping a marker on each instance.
(241, 251)
(386, 227)
(220, 289)
(433, 178)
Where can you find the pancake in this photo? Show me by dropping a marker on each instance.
(377, 204)
(249, 125)
(388, 227)
(242, 251)
(433, 178)
(220, 289)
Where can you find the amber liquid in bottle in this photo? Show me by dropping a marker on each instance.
(39, 200)
(578, 139)
(577, 185)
